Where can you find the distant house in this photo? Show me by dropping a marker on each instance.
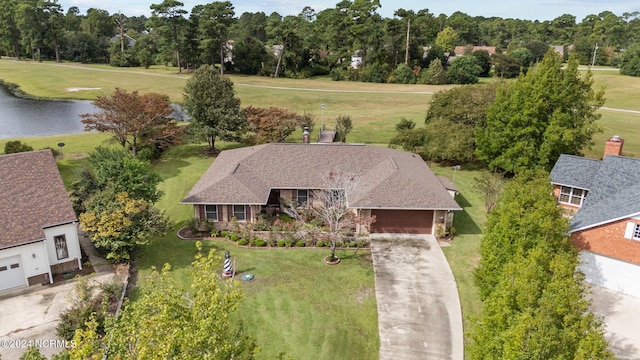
(38, 227)
(602, 198)
(396, 187)
(464, 50)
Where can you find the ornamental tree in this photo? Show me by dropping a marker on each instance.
(270, 125)
(330, 206)
(134, 120)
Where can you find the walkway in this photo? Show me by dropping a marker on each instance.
(419, 314)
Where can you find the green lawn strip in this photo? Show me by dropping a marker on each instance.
(462, 255)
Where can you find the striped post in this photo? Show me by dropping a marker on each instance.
(228, 270)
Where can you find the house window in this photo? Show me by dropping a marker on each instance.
(573, 196)
(238, 213)
(303, 196)
(632, 231)
(211, 212)
(60, 242)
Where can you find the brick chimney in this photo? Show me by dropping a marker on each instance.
(613, 146)
(305, 135)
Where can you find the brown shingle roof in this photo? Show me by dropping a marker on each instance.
(388, 178)
(32, 197)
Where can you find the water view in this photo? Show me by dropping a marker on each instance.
(21, 117)
(28, 117)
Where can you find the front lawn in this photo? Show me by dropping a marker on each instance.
(296, 305)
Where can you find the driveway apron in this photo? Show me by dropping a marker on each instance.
(419, 314)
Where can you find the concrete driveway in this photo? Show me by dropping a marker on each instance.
(419, 314)
(621, 316)
(31, 315)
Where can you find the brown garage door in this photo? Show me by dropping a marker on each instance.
(402, 221)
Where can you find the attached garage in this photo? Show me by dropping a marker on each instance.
(402, 221)
(610, 273)
(11, 273)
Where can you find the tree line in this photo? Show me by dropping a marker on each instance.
(307, 44)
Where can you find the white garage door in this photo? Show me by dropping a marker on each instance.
(610, 273)
(11, 273)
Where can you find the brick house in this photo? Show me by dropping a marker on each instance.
(601, 196)
(38, 227)
(397, 187)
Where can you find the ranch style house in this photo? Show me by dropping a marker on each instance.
(396, 187)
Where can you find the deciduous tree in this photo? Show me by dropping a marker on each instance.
(451, 122)
(270, 124)
(534, 300)
(330, 206)
(545, 113)
(210, 101)
(464, 70)
(118, 224)
(171, 323)
(134, 120)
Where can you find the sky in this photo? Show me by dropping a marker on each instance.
(529, 10)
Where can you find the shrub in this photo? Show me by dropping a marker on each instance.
(281, 243)
(12, 147)
(353, 244)
(56, 153)
(194, 225)
(260, 242)
(234, 237)
(320, 243)
(87, 303)
(403, 74)
(300, 243)
(243, 242)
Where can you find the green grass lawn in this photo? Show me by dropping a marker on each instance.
(296, 304)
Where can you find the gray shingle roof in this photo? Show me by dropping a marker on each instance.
(613, 184)
(32, 197)
(575, 171)
(389, 178)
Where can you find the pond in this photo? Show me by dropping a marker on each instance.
(20, 117)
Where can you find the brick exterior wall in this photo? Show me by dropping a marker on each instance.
(38, 279)
(65, 266)
(608, 240)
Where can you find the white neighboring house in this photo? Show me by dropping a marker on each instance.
(38, 227)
